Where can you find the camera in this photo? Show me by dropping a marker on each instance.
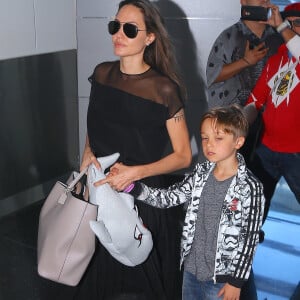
(255, 13)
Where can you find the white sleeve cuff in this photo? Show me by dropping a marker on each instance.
(294, 46)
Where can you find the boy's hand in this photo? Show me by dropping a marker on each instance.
(229, 292)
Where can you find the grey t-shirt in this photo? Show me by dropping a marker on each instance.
(201, 260)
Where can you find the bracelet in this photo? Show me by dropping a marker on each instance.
(244, 59)
(285, 24)
(129, 188)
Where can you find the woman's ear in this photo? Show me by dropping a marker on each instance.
(150, 38)
(240, 142)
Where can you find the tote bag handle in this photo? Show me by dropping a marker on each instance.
(70, 187)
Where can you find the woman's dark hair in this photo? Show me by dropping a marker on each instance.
(159, 54)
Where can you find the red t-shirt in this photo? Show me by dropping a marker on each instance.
(278, 89)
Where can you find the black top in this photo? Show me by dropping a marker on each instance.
(128, 114)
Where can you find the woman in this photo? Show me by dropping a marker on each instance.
(136, 109)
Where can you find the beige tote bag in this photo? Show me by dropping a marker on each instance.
(66, 242)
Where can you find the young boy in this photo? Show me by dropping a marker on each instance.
(224, 210)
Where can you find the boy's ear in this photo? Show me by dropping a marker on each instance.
(240, 142)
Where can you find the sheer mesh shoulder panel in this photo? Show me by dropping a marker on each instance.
(149, 85)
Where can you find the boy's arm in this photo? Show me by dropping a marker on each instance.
(175, 195)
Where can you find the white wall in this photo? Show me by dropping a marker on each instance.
(201, 20)
(36, 26)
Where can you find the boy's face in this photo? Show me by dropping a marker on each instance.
(218, 145)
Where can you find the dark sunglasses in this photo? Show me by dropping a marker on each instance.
(295, 23)
(130, 30)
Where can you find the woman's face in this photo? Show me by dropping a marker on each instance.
(129, 47)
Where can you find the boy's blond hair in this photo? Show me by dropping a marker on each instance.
(231, 119)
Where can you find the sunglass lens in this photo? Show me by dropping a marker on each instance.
(296, 22)
(130, 30)
(113, 27)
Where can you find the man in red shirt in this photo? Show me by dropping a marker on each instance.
(277, 93)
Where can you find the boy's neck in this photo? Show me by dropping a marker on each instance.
(225, 169)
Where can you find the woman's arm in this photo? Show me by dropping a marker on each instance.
(88, 156)
(180, 157)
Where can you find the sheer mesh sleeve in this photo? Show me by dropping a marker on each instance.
(170, 95)
(149, 85)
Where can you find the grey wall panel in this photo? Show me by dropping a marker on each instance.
(83, 107)
(200, 9)
(36, 26)
(96, 8)
(17, 30)
(94, 46)
(38, 120)
(55, 25)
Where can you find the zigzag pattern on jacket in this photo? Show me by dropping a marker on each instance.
(241, 219)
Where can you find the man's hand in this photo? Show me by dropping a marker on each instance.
(252, 56)
(275, 20)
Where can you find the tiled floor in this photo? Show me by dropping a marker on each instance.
(276, 265)
(277, 261)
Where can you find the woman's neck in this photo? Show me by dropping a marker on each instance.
(131, 67)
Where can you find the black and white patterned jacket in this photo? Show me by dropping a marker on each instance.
(240, 221)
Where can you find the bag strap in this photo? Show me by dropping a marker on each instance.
(76, 179)
(70, 187)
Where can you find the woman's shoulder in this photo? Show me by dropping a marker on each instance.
(103, 69)
(106, 66)
(163, 82)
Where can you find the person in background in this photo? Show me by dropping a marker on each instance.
(136, 108)
(225, 205)
(237, 58)
(276, 93)
(234, 64)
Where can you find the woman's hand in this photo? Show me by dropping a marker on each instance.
(88, 157)
(120, 176)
